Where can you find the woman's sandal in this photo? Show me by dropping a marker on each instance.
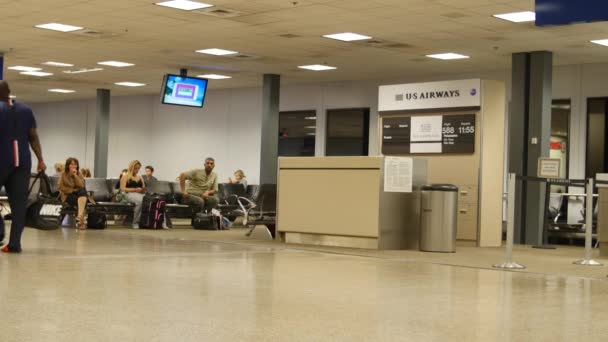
(80, 223)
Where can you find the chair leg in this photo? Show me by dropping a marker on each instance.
(250, 231)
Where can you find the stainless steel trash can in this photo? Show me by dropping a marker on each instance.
(439, 215)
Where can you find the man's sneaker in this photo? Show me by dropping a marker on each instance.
(135, 226)
(7, 249)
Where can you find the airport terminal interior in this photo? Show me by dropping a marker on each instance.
(306, 170)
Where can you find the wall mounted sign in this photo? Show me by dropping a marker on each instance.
(429, 134)
(448, 94)
(549, 167)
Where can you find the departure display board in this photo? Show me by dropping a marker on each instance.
(449, 134)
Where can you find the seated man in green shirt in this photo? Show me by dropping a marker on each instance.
(201, 192)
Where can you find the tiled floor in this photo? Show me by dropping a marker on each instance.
(184, 285)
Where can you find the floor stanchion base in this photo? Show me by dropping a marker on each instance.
(587, 262)
(510, 266)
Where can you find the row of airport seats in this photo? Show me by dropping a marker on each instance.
(255, 203)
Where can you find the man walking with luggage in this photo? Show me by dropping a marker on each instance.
(201, 192)
(17, 134)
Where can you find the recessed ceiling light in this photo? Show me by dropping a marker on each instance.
(311, 127)
(311, 134)
(58, 64)
(447, 56)
(217, 52)
(214, 76)
(59, 27)
(310, 118)
(36, 73)
(130, 84)
(83, 70)
(603, 42)
(24, 68)
(116, 64)
(347, 36)
(517, 17)
(317, 67)
(185, 5)
(12, 96)
(62, 91)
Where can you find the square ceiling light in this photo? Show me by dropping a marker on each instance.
(59, 27)
(116, 64)
(58, 64)
(214, 77)
(82, 71)
(603, 42)
(517, 17)
(347, 36)
(24, 68)
(216, 52)
(62, 91)
(185, 5)
(317, 67)
(130, 84)
(36, 73)
(448, 56)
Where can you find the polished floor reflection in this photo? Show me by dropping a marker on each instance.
(127, 285)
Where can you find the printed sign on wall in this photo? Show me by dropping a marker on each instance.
(429, 134)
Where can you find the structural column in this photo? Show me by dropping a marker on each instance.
(102, 133)
(529, 138)
(270, 129)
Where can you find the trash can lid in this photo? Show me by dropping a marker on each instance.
(440, 187)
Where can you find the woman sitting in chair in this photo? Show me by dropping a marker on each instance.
(72, 189)
(133, 185)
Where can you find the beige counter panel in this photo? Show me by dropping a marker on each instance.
(602, 221)
(330, 162)
(346, 204)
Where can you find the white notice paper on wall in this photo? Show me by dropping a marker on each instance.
(398, 174)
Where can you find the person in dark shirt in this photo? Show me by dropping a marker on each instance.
(149, 177)
(17, 134)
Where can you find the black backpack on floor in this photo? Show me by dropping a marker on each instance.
(43, 211)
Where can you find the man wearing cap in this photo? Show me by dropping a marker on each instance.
(17, 134)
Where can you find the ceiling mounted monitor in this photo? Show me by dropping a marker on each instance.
(184, 91)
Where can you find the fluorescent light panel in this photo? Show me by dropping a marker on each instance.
(81, 71)
(346, 36)
(517, 17)
(24, 68)
(603, 42)
(185, 5)
(130, 84)
(59, 27)
(448, 56)
(62, 91)
(12, 96)
(216, 52)
(317, 67)
(214, 77)
(36, 73)
(310, 118)
(58, 64)
(116, 64)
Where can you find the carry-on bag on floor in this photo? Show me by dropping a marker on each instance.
(204, 221)
(152, 212)
(43, 211)
(96, 220)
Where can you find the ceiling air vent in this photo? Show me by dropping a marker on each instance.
(94, 33)
(289, 35)
(454, 15)
(242, 56)
(220, 12)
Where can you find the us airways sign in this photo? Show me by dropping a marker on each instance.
(448, 94)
